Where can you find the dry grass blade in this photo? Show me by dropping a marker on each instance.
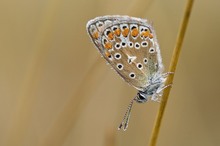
(138, 9)
(110, 137)
(172, 68)
(66, 120)
(26, 98)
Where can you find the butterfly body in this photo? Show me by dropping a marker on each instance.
(155, 84)
(130, 46)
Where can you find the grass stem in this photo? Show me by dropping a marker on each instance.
(172, 68)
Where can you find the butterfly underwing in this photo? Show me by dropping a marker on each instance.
(130, 46)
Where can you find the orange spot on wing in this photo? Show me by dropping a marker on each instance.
(95, 35)
(110, 36)
(117, 32)
(151, 36)
(134, 32)
(108, 45)
(107, 54)
(125, 32)
(145, 34)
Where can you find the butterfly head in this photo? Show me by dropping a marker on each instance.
(145, 96)
(141, 98)
(150, 90)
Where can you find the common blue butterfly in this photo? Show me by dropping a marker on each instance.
(130, 46)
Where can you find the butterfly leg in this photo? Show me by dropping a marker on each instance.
(164, 75)
(156, 98)
(159, 93)
(167, 74)
(164, 87)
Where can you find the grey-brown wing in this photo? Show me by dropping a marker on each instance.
(129, 45)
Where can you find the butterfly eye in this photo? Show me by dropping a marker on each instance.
(141, 98)
(132, 75)
(151, 50)
(145, 60)
(137, 45)
(144, 44)
(139, 66)
(120, 66)
(117, 56)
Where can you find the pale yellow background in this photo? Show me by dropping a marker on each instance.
(56, 90)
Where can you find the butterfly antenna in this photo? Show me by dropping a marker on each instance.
(126, 118)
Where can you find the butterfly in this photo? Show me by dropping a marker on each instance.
(130, 46)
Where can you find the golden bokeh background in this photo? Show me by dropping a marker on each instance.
(56, 90)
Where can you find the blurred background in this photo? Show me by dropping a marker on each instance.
(56, 90)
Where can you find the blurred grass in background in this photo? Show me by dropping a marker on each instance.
(56, 90)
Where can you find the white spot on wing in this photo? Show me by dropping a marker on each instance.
(131, 59)
(132, 75)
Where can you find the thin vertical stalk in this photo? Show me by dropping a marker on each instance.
(172, 68)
